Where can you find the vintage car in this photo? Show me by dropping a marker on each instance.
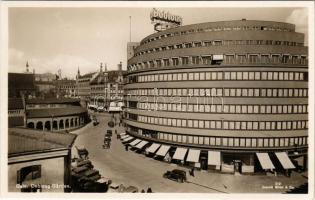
(95, 122)
(122, 189)
(100, 109)
(82, 152)
(176, 175)
(109, 133)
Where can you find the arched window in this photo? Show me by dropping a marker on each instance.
(28, 173)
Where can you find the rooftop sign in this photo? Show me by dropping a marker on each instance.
(164, 20)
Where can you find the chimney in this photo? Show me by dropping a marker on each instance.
(120, 66)
(33, 71)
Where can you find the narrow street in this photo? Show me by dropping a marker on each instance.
(130, 168)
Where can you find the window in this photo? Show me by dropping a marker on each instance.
(206, 60)
(185, 60)
(166, 62)
(28, 173)
(241, 58)
(253, 58)
(229, 59)
(275, 58)
(195, 60)
(265, 59)
(175, 61)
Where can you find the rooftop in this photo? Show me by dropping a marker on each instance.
(15, 103)
(23, 140)
(54, 112)
(51, 100)
(88, 75)
(21, 81)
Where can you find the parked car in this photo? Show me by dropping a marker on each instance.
(100, 109)
(122, 189)
(176, 175)
(109, 133)
(95, 122)
(131, 189)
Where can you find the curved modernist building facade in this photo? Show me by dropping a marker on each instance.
(237, 89)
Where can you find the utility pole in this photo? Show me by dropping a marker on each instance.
(129, 28)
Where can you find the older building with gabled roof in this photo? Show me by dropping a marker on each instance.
(34, 156)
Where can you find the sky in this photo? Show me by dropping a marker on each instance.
(71, 38)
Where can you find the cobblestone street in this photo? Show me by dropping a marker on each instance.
(131, 168)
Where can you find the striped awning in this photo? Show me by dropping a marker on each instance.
(193, 155)
(265, 161)
(163, 150)
(135, 142)
(180, 153)
(214, 158)
(153, 148)
(141, 144)
(285, 160)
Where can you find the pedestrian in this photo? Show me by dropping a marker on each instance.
(192, 172)
(289, 173)
(116, 131)
(126, 148)
(149, 190)
(142, 191)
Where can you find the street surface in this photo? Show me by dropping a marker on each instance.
(130, 168)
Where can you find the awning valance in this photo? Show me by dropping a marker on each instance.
(124, 136)
(265, 161)
(193, 155)
(153, 148)
(180, 153)
(141, 144)
(285, 160)
(127, 139)
(214, 158)
(135, 142)
(163, 150)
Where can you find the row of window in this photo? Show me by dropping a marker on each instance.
(217, 28)
(234, 142)
(209, 43)
(223, 124)
(220, 92)
(201, 76)
(221, 59)
(230, 108)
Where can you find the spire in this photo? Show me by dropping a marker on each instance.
(27, 70)
(101, 67)
(78, 74)
(105, 67)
